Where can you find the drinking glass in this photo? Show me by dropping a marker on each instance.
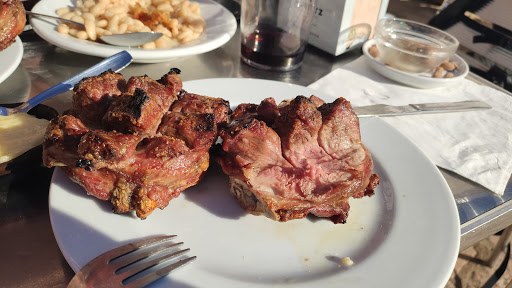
(275, 32)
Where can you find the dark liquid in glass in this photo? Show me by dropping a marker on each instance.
(265, 47)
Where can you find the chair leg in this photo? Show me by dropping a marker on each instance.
(502, 242)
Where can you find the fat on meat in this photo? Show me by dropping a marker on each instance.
(300, 157)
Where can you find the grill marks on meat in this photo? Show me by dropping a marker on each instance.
(140, 108)
(140, 143)
(194, 103)
(92, 96)
(196, 130)
(134, 113)
(138, 161)
(301, 157)
(104, 149)
(12, 21)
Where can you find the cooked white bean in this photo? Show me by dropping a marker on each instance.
(73, 32)
(62, 11)
(165, 7)
(194, 7)
(104, 17)
(102, 23)
(88, 17)
(97, 9)
(175, 32)
(63, 28)
(78, 19)
(68, 15)
(184, 35)
(89, 3)
(174, 23)
(108, 14)
(122, 28)
(138, 24)
(158, 2)
(166, 42)
(113, 24)
(145, 29)
(81, 35)
(100, 32)
(90, 28)
(150, 45)
(117, 10)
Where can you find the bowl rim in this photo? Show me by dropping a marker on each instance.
(450, 36)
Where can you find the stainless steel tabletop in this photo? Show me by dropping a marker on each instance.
(29, 252)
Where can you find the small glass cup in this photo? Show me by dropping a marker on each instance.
(275, 32)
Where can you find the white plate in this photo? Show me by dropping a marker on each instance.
(220, 27)
(406, 235)
(418, 80)
(10, 58)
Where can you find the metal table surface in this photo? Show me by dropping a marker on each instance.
(30, 255)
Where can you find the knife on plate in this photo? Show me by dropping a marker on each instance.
(383, 110)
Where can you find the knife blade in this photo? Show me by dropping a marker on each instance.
(382, 110)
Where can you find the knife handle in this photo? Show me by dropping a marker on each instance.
(448, 106)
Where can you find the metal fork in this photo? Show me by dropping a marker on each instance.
(104, 270)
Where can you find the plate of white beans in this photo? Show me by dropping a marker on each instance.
(195, 26)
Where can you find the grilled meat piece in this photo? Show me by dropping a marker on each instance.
(92, 96)
(61, 139)
(135, 173)
(141, 107)
(197, 130)
(163, 92)
(302, 160)
(100, 148)
(134, 114)
(194, 103)
(126, 161)
(12, 21)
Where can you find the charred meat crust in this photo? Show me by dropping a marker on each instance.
(137, 103)
(197, 130)
(92, 96)
(128, 155)
(134, 114)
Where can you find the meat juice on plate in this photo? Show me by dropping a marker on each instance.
(272, 47)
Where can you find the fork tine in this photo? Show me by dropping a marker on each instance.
(137, 257)
(130, 247)
(153, 276)
(149, 264)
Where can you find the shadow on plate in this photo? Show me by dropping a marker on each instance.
(212, 194)
(82, 248)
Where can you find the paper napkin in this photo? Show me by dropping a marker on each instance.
(474, 144)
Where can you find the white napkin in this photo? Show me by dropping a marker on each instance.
(474, 144)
